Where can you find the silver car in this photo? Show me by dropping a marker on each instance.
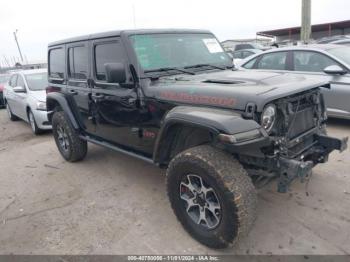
(25, 98)
(328, 61)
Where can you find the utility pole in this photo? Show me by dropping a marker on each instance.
(305, 21)
(19, 49)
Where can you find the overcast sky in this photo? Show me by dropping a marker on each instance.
(41, 21)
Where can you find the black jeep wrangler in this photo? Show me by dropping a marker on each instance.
(172, 98)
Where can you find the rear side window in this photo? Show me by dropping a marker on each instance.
(110, 52)
(56, 63)
(78, 62)
(311, 61)
(273, 61)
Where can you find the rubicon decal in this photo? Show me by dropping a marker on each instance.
(197, 99)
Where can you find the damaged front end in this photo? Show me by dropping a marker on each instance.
(296, 143)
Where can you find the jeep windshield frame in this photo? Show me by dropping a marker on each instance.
(182, 52)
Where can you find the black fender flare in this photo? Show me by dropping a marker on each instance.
(216, 121)
(54, 98)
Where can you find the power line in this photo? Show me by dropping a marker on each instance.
(19, 49)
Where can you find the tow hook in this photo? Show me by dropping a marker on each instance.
(291, 169)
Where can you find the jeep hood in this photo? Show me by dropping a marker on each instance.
(231, 89)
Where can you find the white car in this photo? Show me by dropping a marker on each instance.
(327, 61)
(25, 98)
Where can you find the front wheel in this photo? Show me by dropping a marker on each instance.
(10, 114)
(36, 130)
(70, 145)
(211, 195)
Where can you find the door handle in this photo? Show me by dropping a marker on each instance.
(72, 92)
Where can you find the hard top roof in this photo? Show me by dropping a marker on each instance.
(128, 32)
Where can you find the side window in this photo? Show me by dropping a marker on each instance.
(273, 61)
(20, 81)
(56, 63)
(311, 61)
(250, 64)
(13, 81)
(78, 62)
(110, 52)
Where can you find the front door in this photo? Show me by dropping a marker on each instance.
(20, 108)
(114, 106)
(336, 98)
(77, 85)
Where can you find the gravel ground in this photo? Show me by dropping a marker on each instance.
(114, 204)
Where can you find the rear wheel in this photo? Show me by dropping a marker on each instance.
(67, 139)
(10, 114)
(211, 195)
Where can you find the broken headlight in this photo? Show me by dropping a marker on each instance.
(268, 117)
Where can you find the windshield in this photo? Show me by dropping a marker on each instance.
(37, 82)
(343, 53)
(155, 51)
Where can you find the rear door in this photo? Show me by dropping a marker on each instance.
(114, 109)
(77, 82)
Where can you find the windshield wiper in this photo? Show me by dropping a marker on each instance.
(165, 69)
(206, 65)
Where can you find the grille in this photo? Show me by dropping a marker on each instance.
(301, 121)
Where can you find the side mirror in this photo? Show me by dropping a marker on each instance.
(334, 70)
(19, 89)
(115, 73)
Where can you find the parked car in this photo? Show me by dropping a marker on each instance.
(3, 81)
(245, 46)
(328, 61)
(342, 42)
(239, 55)
(171, 98)
(25, 98)
(332, 39)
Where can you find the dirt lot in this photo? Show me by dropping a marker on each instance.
(114, 204)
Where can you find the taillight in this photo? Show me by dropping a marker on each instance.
(51, 89)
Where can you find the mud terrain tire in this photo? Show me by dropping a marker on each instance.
(70, 145)
(233, 188)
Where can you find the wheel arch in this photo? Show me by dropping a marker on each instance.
(57, 101)
(186, 126)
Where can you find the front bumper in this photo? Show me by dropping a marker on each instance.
(41, 119)
(287, 168)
